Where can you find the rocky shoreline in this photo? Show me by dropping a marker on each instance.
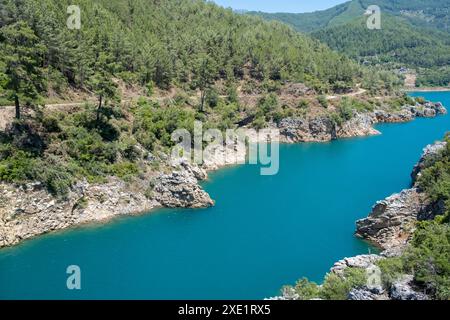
(392, 220)
(390, 226)
(323, 128)
(29, 210)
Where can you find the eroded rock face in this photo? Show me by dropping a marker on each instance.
(322, 128)
(361, 261)
(392, 220)
(360, 125)
(28, 211)
(180, 190)
(307, 130)
(366, 294)
(403, 289)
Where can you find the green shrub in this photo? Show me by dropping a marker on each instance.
(19, 167)
(259, 123)
(303, 104)
(232, 95)
(323, 101)
(125, 170)
(307, 290)
(428, 257)
(56, 177)
(268, 103)
(51, 124)
(345, 109)
(391, 270)
(212, 98)
(338, 287)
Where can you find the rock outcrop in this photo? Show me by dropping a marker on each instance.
(180, 189)
(29, 210)
(362, 261)
(307, 130)
(392, 220)
(323, 128)
(403, 289)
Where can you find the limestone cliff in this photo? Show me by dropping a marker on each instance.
(392, 220)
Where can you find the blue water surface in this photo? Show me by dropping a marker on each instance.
(264, 232)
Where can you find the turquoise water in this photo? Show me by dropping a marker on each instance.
(265, 231)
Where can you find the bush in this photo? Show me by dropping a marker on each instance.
(428, 257)
(307, 290)
(345, 109)
(51, 124)
(19, 167)
(232, 94)
(125, 170)
(303, 104)
(268, 103)
(259, 123)
(128, 149)
(212, 98)
(338, 287)
(391, 270)
(56, 177)
(323, 101)
(154, 125)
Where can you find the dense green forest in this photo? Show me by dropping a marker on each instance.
(189, 44)
(414, 34)
(397, 41)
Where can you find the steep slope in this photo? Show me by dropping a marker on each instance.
(167, 43)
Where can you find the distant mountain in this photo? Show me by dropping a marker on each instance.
(397, 41)
(414, 34)
(429, 13)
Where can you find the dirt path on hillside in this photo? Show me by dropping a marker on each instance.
(351, 94)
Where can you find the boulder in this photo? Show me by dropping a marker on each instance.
(361, 261)
(403, 289)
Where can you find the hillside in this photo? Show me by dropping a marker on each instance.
(413, 35)
(165, 44)
(432, 13)
(143, 69)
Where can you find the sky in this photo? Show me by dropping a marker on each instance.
(294, 6)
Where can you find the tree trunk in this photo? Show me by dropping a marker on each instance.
(100, 101)
(202, 100)
(17, 104)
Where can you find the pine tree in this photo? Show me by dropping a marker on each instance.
(204, 74)
(103, 86)
(22, 55)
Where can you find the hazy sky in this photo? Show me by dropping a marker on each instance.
(280, 5)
